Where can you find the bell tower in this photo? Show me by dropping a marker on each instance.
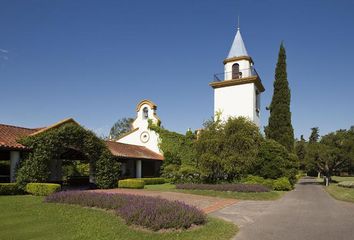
(237, 91)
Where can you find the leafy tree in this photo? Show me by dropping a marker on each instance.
(332, 154)
(279, 126)
(227, 151)
(121, 127)
(274, 161)
(300, 150)
(314, 135)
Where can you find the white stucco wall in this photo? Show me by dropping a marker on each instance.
(142, 124)
(236, 101)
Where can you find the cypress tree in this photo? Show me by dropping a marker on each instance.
(279, 126)
(314, 135)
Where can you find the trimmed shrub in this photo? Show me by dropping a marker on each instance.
(346, 184)
(153, 181)
(282, 184)
(225, 187)
(10, 189)
(131, 183)
(149, 212)
(250, 179)
(42, 189)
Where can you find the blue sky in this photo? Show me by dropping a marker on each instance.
(95, 60)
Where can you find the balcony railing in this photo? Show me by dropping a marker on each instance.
(242, 73)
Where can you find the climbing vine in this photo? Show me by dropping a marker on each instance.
(53, 143)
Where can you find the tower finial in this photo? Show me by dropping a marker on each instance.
(238, 22)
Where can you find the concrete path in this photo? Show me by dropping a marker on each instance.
(205, 203)
(307, 213)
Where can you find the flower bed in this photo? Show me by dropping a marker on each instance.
(149, 212)
(225, 187)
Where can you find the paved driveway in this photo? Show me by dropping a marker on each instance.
(306, 213)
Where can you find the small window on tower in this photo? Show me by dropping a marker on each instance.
(258, 102)
(236, 71)
(145, 113)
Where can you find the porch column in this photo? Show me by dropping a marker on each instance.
(138, 169)
(14, 159)
(92, 171)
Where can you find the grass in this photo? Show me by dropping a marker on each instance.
(341, 179)
(341, 193)
(273, 195)
(27, 217)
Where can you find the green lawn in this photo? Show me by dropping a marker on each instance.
(341, 179)
(341, 193)
(273, 195)
(27, 217)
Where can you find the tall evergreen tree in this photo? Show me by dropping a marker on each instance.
(314, 135)
(279, 126)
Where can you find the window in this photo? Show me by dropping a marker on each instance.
(236, 71)
(258, 102)
(145, 113)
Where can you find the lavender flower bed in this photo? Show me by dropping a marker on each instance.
(225, 187)
(150, 212)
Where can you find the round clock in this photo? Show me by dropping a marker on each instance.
(144, 137)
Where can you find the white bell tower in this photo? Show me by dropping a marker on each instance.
(237, 91)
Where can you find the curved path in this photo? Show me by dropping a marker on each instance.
(305, 213)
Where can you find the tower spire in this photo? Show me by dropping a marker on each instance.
(238, 23)
(238, 47)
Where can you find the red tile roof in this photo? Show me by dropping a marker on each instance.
(9, 135)
(132, 151)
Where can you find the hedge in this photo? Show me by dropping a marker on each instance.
(10, 189)
(131, 183)
(225, 187)
(153, 181)
(149, 212)
(42, 189)
(346, 184)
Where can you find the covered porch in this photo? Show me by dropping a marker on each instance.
(136, 161)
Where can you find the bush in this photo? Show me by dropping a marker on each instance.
(225, 187)
(107, 170)
(42, 189)
(274, 161)
(188, 174)
(150, 212)
(10, 189)
(131, 183)
(153, 181)
(282, 184)
(346, 184)
(171, 172)
(250, 179)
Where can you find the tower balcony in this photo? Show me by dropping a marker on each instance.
(242, 73)
(242, 76)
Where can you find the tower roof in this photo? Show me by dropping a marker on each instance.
(238, 48)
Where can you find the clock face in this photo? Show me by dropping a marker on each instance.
(144, 137)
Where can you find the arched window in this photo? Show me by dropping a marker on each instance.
(145, 113)
(236, 71)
